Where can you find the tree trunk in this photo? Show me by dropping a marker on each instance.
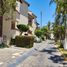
(21, 33)
(65, 44)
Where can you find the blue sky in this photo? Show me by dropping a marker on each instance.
(48, 12)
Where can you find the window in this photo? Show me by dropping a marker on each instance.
(30, 22)
(12, 25)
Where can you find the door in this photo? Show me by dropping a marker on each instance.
(1, 22)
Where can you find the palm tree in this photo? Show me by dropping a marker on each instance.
(45, 31)
(61, 8)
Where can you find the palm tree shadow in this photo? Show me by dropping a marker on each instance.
(53, 57)
(56, 58)
(51, 42)
(49, 51)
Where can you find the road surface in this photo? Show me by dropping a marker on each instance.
(41, 55)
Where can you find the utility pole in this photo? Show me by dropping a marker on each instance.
(41, 18)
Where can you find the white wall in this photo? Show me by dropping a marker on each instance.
(6, 28)
(33, 28)
(22, 16)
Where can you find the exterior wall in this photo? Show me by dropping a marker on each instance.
(33, 28)
(21, 18)
(33, 25)
(7, 31)
(1, 40)
(6, 28)
(22, 14)
(14, 33)
(1, 24)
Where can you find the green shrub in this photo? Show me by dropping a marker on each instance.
(24, 41)
(12, 42)
(65, 55)
(42, 37)
(3, 45)
(22, 28)
(60, 45)
(38, 33)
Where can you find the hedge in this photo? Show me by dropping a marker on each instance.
(24, 41)
(12, 42)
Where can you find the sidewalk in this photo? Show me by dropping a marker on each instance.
(9, 54)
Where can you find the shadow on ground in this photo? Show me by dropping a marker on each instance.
(49, 51)
(56, 58)
(53, 57)
(51, 42)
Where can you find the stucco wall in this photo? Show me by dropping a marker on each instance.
(6, 28)
(7, 31)
(22, 14)
(33, 28)
(21, 18)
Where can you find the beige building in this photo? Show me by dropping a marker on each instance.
(8, 28)
(21, 15)
(32, 22)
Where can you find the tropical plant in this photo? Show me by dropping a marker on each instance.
(6, 5)
(38, 32)
(45, 31)
(61, 12)
(22, 28)
(49, 25)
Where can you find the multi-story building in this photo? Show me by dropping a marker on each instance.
(10, 21)
(8, 25)
(32, 22)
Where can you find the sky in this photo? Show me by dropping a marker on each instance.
(48, 11)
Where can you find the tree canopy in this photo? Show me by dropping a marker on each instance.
(6, 5)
